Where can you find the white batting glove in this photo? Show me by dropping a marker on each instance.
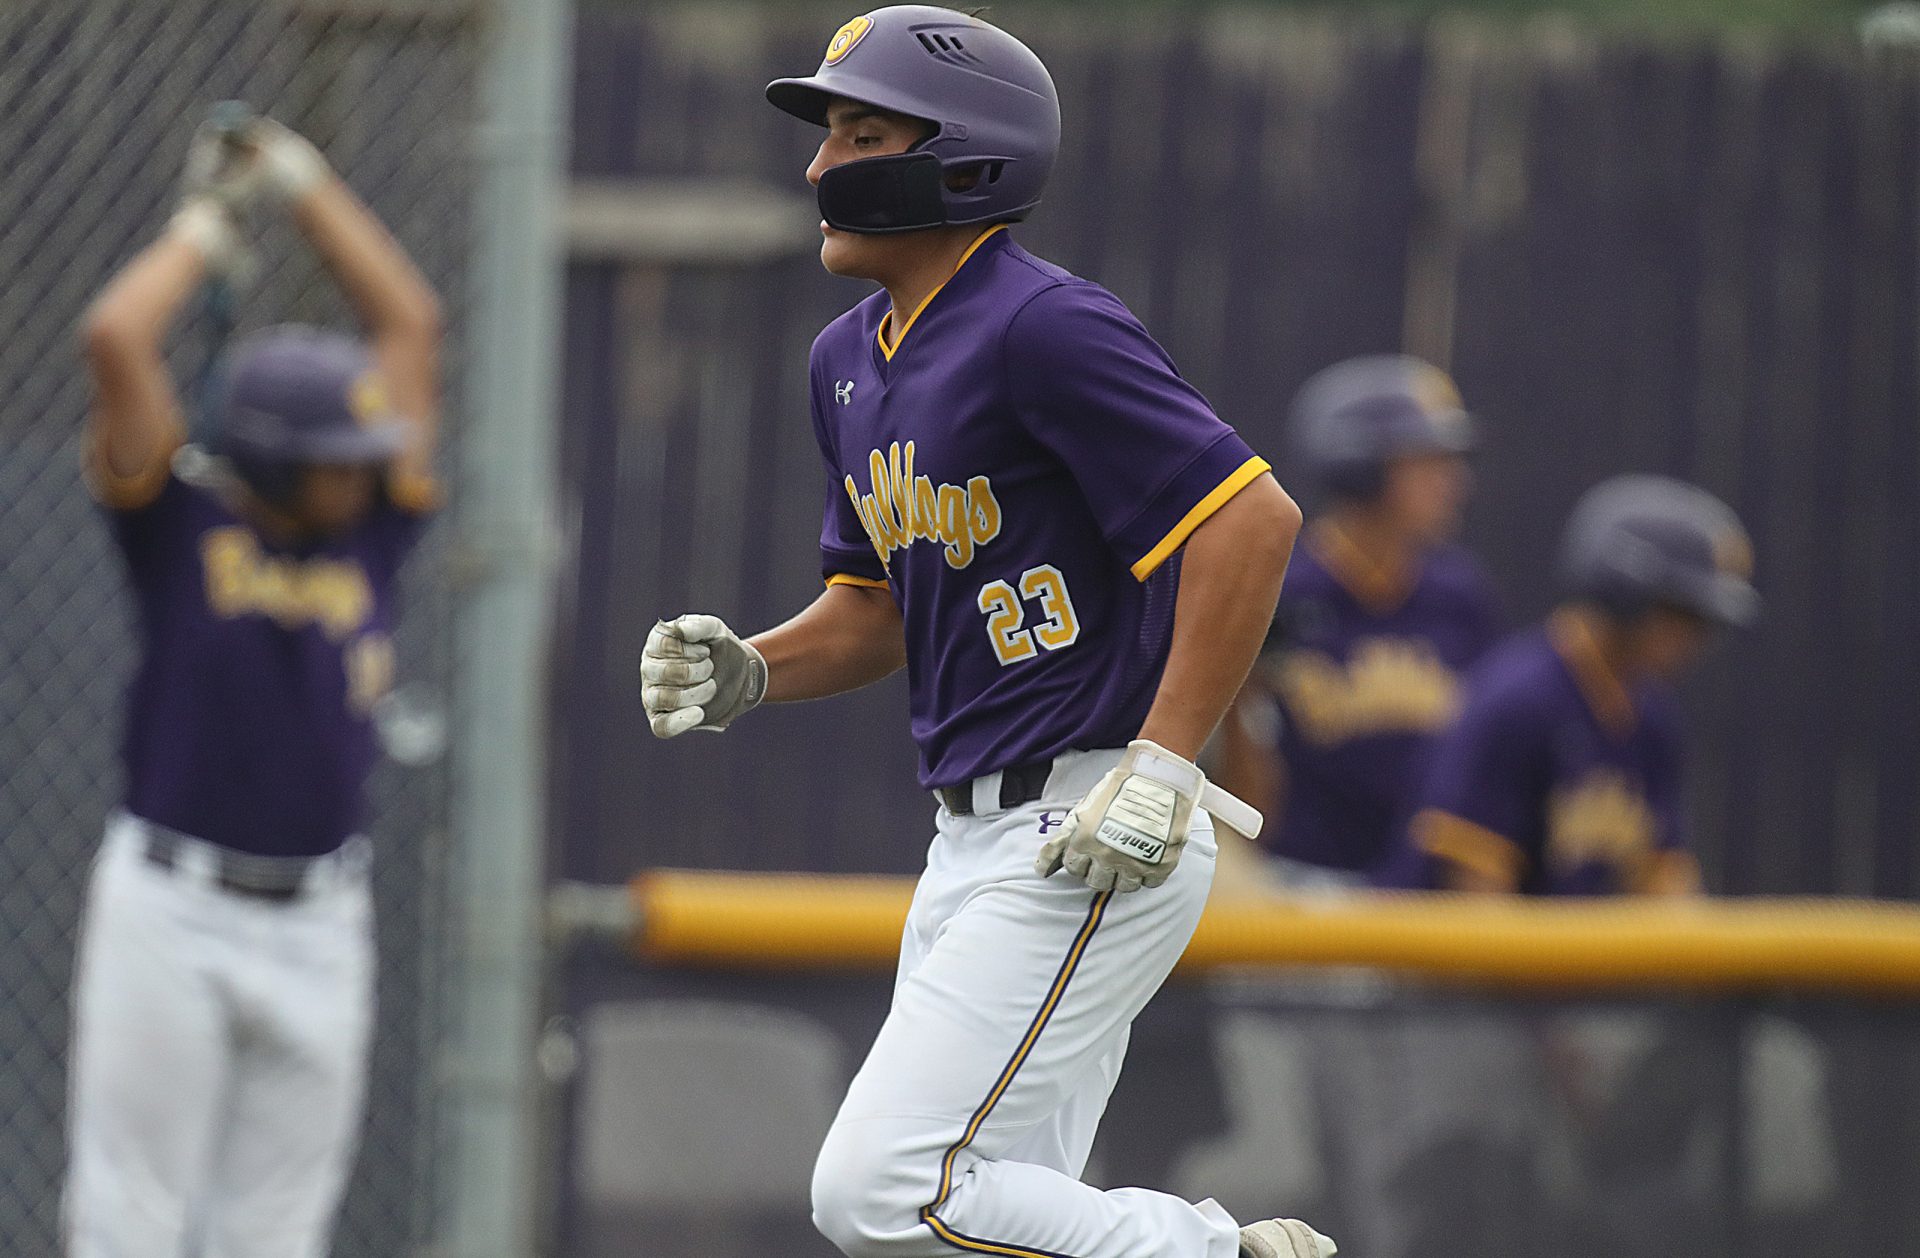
(290, 166)
(1128, 831)
(211, 229)
(695, 673)
(222, 166)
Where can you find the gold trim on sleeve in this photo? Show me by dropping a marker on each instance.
(1176, 537)
(1465, 843)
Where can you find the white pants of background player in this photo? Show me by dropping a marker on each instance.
(969, 1124)
(219, 1057)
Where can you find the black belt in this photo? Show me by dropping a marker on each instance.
(1021, 784)
(256, 877)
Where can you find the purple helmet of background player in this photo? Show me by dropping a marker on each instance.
(1636, 542)
(297, 396)
(1349, 419)
(990, 100)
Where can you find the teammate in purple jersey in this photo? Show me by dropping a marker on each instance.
(1076, 561)
(1379, 616)
(224, 988)
(1562, 774)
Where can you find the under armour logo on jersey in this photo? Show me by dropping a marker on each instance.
(843, 391)
(1051, 821)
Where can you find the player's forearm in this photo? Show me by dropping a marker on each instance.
(135, 417)
(386, 290)
(135, 310)
(1230, 574)
(1249, 759)
(847, 638)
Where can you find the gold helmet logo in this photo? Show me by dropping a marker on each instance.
(1733, 553)
(367, 398)
(1434, 390)
(846, 37)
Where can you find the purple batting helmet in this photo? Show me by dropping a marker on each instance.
(1350, 418)
(296, 396)
(1636, 542)
(990, 101)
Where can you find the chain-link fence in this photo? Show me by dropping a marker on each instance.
(97, 99)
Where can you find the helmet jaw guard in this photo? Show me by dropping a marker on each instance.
(990, 100)
(884, 195)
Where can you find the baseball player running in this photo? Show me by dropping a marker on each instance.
(1076, 561)
(1380, 615)
(223, 992)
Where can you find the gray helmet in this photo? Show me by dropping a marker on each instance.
(1350, 418)
(1636, 542)
(990, 99)
(295, 396)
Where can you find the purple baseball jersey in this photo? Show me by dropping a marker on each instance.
(1017, 465)
(1555, 777)
(249, 718)
(1367, 673)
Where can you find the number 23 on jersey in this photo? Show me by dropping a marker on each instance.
(1006, 612)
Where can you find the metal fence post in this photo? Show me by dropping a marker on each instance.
(505, 530)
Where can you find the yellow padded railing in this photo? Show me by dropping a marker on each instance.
(822, 922)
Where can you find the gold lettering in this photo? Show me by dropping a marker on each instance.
(227, 555)
(889, 529)
(240, 581)
(901, 488)
(369, 664)
(904, 507)
(983, 512)
(1388, 686)
(926, 510)
(1603, 820)
(953, 526)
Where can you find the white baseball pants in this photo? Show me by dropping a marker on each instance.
(970, 1122)
(219, 1058)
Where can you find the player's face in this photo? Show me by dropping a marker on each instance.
(333, 497)
(1425, 494)
(855, 131)
(1666, 641)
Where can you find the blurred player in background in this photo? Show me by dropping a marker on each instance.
(1561, 777)
(1380, 615)
(1076, 561)
(1562, 774)
(224, 988)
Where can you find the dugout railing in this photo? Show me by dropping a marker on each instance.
(1425, 1074)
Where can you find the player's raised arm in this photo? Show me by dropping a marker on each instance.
(135, 423)
(395, 303)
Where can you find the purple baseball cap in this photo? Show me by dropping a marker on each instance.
(297, 395)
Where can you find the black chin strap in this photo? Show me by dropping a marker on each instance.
(879, 195)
